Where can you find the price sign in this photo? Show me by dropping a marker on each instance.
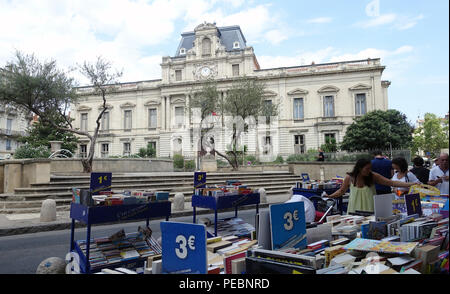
(100, 182)
(305, 177)
(183, 248)
(413, 205)
(199, 180)
(288, 226)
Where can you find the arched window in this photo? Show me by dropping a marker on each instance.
(206, 47)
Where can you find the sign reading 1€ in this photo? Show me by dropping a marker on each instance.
(183, 248)
(287, 225)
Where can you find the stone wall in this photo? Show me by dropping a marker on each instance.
(257, 168)
(321, 170)
(114, 165)
(22, 173)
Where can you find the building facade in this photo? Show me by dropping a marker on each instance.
(13, 125)
(315, 102)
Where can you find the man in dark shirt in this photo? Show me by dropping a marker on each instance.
(383, 166)
(321, 156)
(419, 171)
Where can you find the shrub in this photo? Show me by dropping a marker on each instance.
(279, 159)
(28, 151)
(250, 158)
(189, 165)
(178, 161)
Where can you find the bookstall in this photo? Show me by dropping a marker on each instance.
(309, 188)
(101, 205)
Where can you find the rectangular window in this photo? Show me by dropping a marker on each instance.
(299, 144)
(330, 137)
(328, 106)
(298, 109)
(83, 150)
(360, 104)
(152, 118)
(84, 122)
(126, 149)
(105, 150)
(127, 120)
(179, 116)
(8, 144)
(9, 123)
(268, 109)
(235, 70)
(152, 144)
(178, 75)
(105, 121)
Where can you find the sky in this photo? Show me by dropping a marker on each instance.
(411, 37)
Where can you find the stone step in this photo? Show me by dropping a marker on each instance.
(174, 175)
(151, 180)
(130, 185)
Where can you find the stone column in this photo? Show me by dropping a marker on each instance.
(163, 112)
(168, 114)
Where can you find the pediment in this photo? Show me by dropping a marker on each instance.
(328, 89)
(360, 86)
(178, 100)
(298, 91)
(152, 102)
(83, 108)
(269, 93)
(108, 106)
(127, 105)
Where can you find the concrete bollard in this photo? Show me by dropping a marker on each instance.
(178, 202)
(48, 210)
(262, 195)
(52, 265)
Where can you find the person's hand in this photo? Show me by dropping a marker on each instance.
(445, 178)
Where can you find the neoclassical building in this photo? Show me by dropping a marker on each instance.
(314, 101)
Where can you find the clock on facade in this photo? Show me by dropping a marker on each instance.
(205, 71)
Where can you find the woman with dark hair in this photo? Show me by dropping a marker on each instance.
(400, 166)
(420, 171)
(361, 182)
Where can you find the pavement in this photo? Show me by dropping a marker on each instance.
(16, 224)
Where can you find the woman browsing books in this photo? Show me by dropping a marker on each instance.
(361, 182)
(400, 166)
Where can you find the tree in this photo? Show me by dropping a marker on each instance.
(432, 136)
(48, 92)
(41, 133)
(103, 81)
(206, 100)
(330, 145)
(245, 103)
(378, 130)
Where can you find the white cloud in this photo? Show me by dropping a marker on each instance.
(320, 20)
(397, 61)
(378, 20)
(399, 22)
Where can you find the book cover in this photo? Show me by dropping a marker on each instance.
(227, 261)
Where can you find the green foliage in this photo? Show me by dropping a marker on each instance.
(377, 130)
(29, 151)
(41, 133)
(431, 136)
(279, 160)
(189, 165)
(146, 152)
(310, 155)
(330, 145)
(250, 158)
(178, 161)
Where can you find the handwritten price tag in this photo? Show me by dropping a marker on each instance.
(413, 204)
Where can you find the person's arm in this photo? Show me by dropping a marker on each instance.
(379, 179)
(433, 180)
(344, 187)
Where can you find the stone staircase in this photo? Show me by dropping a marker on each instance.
(29, 200)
